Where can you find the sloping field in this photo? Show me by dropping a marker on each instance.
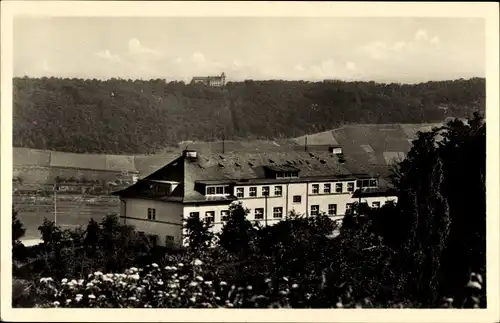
(30, 157)
(147, 164)
(120, 163)
(92, 161)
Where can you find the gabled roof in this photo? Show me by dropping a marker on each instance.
(236, 166)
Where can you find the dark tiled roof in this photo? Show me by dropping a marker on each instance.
(214, 167)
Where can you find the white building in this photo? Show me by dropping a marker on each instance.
(270, 185)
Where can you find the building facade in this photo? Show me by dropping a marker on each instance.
(269, 185)
(214, 81)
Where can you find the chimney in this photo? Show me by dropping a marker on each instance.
(190, 154)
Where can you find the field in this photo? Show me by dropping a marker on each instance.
(72, 211)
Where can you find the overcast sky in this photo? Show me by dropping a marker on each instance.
(380, 49)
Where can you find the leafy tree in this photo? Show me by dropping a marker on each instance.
(18, 229)
(236, 234)
(199, 235)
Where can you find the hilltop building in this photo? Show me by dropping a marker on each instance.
(214, 81)
(270, 184)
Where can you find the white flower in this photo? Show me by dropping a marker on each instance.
(193, 284)
(80, 282)
(267, 280)
(193, 299)
(223, 283)
(133, 269)
(249, 287)
(229, 304)
(173, 268)
(285, 278)
(132, 298)
(180, 264)
(56, 303)
(208, 283)
(168, 268)
(217, 298)
(159, 282)
(134, 276)
(64, 280)
(109, 275)
(154, 265)
(197, 262)
(339, 305)
(199, 278)
(68, 301)
(91, 296)
(98, 273)
(90, 284)
(474, 285)
(295, 286)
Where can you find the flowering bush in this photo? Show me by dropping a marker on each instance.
(189, 285)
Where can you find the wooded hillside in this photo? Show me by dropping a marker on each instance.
(124, 116)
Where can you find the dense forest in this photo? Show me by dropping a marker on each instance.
(137, 116)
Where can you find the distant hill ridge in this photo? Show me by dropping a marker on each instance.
(138, 117)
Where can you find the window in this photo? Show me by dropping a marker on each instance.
(338, 188)
(297, 199)
(314, 210)
(253, 191)
(359, 183)
(366, 183)
(278, 190)
(373, 183)
(210, 190)
(240, 192)
(278, 212)
(151, 214)
(332, 209)
(348, 207)
(169, 240)
(220, 189)
(375, 204)
(350, 187)
(227, 190)
(327, 188)
(210, 216)
(153, 239)
(224, 215)
(259, 214)
(265, 190)
(194, 214)
(315, 188)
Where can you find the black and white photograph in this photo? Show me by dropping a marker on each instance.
(250, 159)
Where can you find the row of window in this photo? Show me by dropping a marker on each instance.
(259, 212)
(278, 190)
(219, 190)
(327, 188)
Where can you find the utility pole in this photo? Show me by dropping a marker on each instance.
(55, 203)
(265, 211)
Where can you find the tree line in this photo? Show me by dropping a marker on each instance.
(125, 116)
